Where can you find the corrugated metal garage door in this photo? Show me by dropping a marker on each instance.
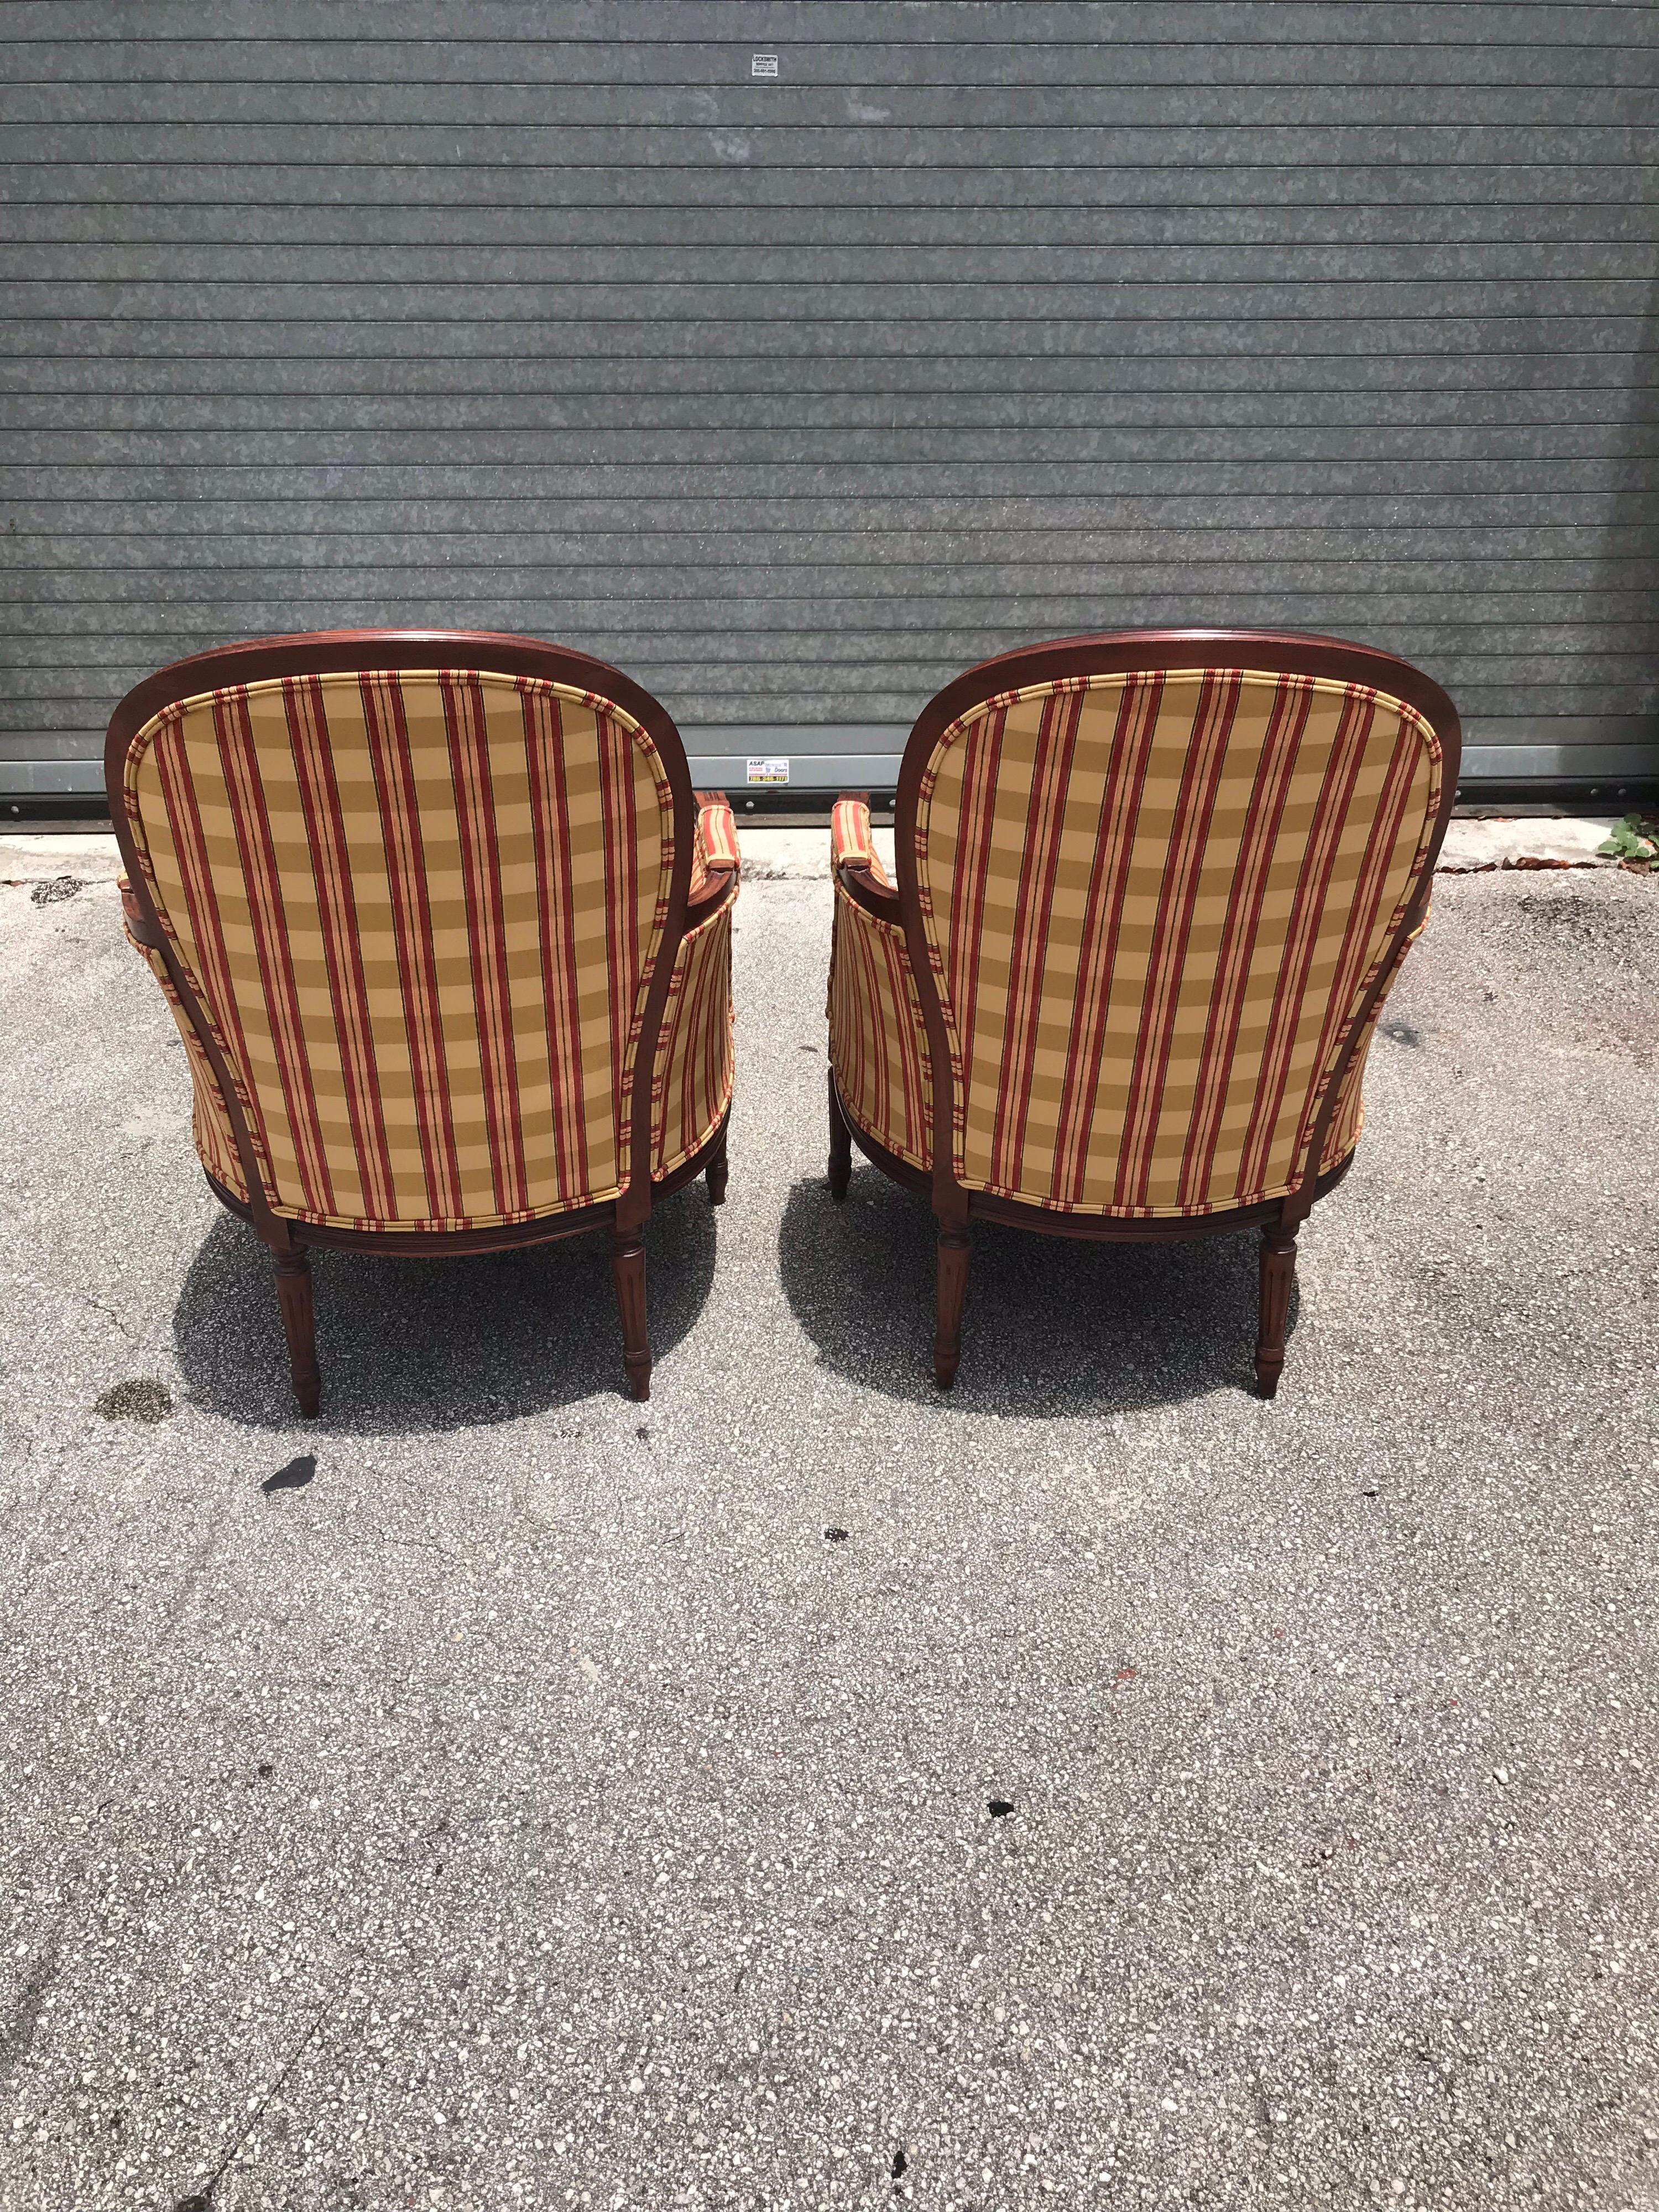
(795, 393)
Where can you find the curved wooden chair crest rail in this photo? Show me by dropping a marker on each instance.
(1152, 890)
(447, 938)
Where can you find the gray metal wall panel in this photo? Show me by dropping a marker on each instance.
(982, 323)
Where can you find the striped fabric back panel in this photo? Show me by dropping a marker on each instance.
(421, 910)
(1152, 903)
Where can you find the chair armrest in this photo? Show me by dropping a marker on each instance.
(715, 863)
(140, 928)
(854, 861)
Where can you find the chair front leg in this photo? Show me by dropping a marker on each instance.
(841, 1146)
(627, 1273)
(952, 1291)
(1278, 1273)
(292, 1263)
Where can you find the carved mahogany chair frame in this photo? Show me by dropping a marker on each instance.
(325, 653)
(1114, 653)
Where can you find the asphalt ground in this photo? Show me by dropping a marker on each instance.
(499, 1794)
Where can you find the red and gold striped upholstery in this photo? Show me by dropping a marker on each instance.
(1349, 1115)
(692, 1085)
(421, 910)
(716, 842)
(1154, 902)
(877, 1045)
(216, 1140)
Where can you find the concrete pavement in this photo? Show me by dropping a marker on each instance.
(498, 1794)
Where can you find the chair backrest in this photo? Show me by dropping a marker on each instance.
(1150, 883)
(418, 889)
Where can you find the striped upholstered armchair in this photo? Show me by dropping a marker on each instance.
(1152, 891)
(447, 939)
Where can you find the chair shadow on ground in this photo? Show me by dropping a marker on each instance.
(435, 1344)
(1055, 1325)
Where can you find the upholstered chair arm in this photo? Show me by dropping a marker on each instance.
(215, 1141)
(141, 931)
(715, 863)
(1348, 1116)
(691, 1087)
(854, 861)
(877, 1045)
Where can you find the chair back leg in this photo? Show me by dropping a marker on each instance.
(292, 1263)
(627, 1273)
(953, 1253)
(716, 1172)
(1278, 1272)
(841, 1146)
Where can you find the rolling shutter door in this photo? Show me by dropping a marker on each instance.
(794, 394)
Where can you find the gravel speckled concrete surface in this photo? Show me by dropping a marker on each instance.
(501, 1795)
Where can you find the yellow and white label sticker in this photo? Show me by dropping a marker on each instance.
(769, 771)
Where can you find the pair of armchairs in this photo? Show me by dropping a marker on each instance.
(446, 934)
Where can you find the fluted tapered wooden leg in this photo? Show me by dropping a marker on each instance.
(1278, 1273)
(841, 1146)
(292, 1267)
(627, 1273)
(953, 1250)
(716, 1173)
